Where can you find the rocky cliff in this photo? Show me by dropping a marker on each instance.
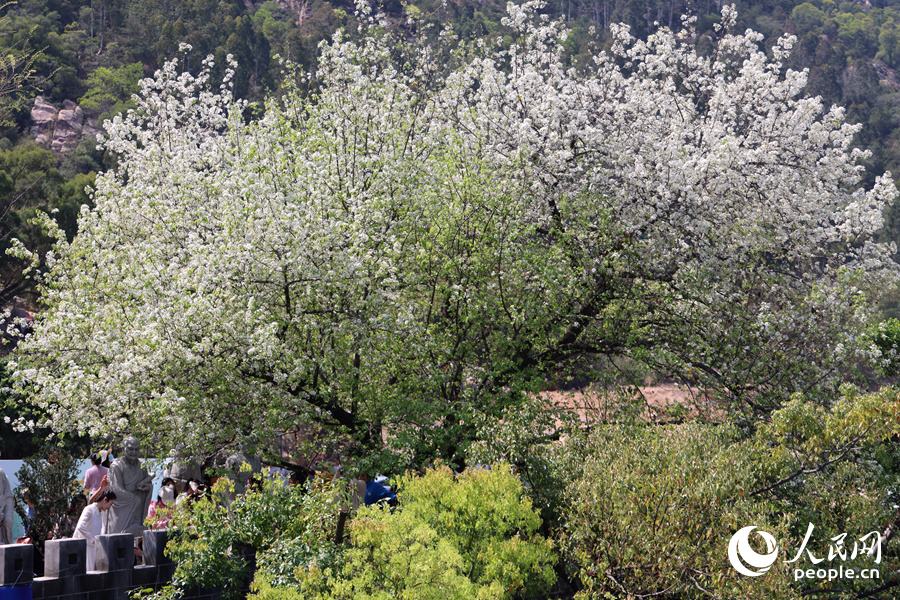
(59, 130)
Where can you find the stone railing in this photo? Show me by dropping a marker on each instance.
(65, 577)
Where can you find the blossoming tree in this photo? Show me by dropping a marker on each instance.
(410, 242)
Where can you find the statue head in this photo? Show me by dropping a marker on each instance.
(132, 447)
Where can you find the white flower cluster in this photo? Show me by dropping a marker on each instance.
(411, 237)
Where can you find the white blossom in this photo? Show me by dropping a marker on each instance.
(361, 251)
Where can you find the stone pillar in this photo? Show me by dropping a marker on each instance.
(154, 545)
(64, 570)
(154, 555)
(115, 555)
(64, 558)
(16, 564)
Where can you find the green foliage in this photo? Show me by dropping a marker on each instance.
(205, 550)
(889, 46)
(38, 35)
(396, 556)
(18, 71)
(886, 338)
(106, 87)
(455, 537)
(83, 159)
(837, 468)
(31, 186)
(29, 181)
(286, 526)
(279, 565)
(653, 508)
(264, 590)
(27, 176)
(485, 516)
(50, 481)
(806, 447)
(807, 16)
(528, 437)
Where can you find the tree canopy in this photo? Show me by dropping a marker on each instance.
(403, 243)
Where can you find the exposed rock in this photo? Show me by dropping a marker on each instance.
(60, 131)
(90, 128)
(69, 123)
(43, 119)
(886, 75)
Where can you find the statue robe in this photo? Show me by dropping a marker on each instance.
(7, 506)
(128, 513)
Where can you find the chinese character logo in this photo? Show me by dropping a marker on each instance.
(740, 553)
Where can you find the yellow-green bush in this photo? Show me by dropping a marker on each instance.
(465, 537)
(654, 509)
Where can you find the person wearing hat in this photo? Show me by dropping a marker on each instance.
(94, 475)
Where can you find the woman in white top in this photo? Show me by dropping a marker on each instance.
(91, 524)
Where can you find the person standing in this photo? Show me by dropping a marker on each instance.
(94, 475)
(376, 492)
(104, 484)
(66, 525)
(160, 512)
(91, 524)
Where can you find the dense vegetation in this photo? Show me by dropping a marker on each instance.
(409, 233)
(94, 52)
(641, 511)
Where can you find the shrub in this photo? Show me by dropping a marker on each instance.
(286, 526)
(528, 436)
(466, 536)
(50, 485)
(654, 509)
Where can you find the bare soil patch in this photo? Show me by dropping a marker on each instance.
(662, 402)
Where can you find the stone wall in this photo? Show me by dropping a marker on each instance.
(65, 577)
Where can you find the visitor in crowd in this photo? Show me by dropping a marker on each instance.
(30, 513)
(91, 524)
(160, 512)
(193, 491)
(65, 527)
(94, 475)
(254, 483)
(301, 475)
(376, 492)
(104, 484)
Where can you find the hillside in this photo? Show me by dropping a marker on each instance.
(88, 56)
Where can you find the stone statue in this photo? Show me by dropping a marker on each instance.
(133, 487)
(182, 472)
(7, 506)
